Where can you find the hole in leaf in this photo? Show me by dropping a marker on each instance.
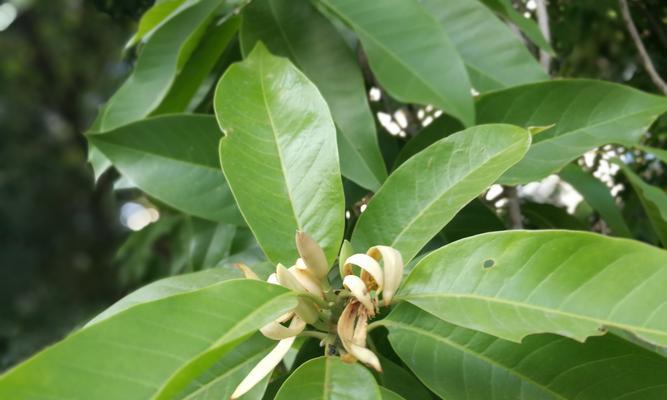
(489, 263)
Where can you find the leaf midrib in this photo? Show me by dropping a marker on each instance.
(556, 311)
(393, 55)
(464, 349)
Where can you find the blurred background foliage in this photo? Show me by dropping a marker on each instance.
(65, 247)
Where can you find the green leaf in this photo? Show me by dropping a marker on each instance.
(598, 196)
(329, 378)
(132, 354)
(389, 395)
(527, 25)
(98, 162)
(154, 17)
(296, 30)
(174, 159)
(458, 363)
(548, 216)
(279, 155)
(498, 60)
(587, 114)
(515, 283)
(473, 219)
(400, 381)
(653, 199)
(169, 287)
(431, 73)
(220, 381)
(442, 127)
(209, 243)
(160, 60)
(427, 191)
(198, 68)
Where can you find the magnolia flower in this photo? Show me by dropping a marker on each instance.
(381, 271)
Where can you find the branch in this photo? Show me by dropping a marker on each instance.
(543, 22)
(643, 55)
(514, 207)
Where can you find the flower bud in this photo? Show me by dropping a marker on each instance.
(312, 254)
(346, 251)
(307, 280)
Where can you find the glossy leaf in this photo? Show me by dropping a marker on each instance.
(174, 159)
(169, 287)
(160, 60)
(296, 30)
(586, 114)
(427, 191)
(598, 196)
(499, 60)
(279, 155)
(196, 71)
(527, 25)
(653, 199)
(132, 355)
(515, 283)
(458, 363)
(431, 73)
(329, 378)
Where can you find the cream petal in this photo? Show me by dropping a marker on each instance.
(247, 272)
(345, 326)
(268, 363)
(273, 279)
(288, 280)
(355, 285)
(365, 356)
(312, 254)
(277, 331)
(367, 264)
(307, 280)
(393, 269)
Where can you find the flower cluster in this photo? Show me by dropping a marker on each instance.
(338, 316)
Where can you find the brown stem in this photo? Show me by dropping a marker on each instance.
(643, 54)
(514, 207)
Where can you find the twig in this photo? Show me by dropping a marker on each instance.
(543, 22)
(513, 207)
(643, 55)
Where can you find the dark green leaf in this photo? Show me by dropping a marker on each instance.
(459, 363)
(174, 159)
(586, 114)
(431, 73)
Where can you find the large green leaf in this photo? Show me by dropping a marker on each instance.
(168, 287)
(279, 155)
(133, 354)
(549, 216)
(173, 158)
(220, 381)
(586, 114)
(653, 199)
(329, 378)
(155, 16)
(527, 25)
(425, 192)
(598, 196)
(497, 61)
(458, 363)
(430, 73)
(198, 69)
(389, 395)
(442, 127)
(401, 381)
(514, 283)
(160, 60)
(209, 243)
(296, 30)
